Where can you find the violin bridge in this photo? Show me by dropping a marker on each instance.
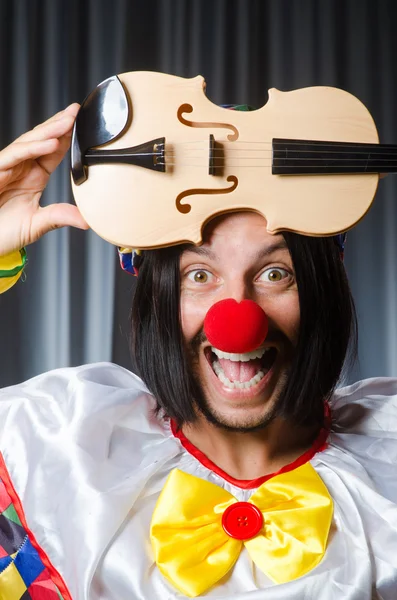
(215, 157)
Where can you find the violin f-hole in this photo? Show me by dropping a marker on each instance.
(186, 208)
(188, 108)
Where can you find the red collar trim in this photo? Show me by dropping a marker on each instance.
(319, 444)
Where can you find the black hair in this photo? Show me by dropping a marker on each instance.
(327, 330)
(327, 339)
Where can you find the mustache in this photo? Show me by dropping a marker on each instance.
(199, 339)
(275, 336)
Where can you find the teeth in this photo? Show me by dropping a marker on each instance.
(240, 357)
(236, 384)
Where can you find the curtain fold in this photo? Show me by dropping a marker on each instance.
(73, 306)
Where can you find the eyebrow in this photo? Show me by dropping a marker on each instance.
(201, 251)
(267, 250)
(263, 252)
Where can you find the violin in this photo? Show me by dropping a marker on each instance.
(153, 160)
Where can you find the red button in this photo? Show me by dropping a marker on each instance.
(242, 520)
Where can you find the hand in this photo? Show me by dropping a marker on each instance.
(25, 168)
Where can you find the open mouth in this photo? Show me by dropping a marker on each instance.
(241, 371)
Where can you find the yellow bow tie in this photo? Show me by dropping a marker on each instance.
(287, 520)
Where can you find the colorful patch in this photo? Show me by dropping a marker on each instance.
(25, 571)
(130, 260)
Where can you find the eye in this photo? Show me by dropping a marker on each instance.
(200, 276)
(274, 275)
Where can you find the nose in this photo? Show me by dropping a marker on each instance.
(233, 326)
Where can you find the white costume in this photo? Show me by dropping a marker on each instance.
(88, 460)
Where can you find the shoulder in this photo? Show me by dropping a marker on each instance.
(366, 407)
(75, 384)
(70, 399)
(91, 416)
(79, 445)
(362, 447)
(103, 373)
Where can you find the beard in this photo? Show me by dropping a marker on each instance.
(215, 417)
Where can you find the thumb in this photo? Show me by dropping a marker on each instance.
(58, 215)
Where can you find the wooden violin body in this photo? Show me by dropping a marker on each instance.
(208, 160)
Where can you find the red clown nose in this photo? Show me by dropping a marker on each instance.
(236, 327)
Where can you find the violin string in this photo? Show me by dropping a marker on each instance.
(269, 165)
(230, 151)
(347, 145)
(226, 159)
(221, 151)
(269, 152)
(169, 154)
(228, 162)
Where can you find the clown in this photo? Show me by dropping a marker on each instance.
(232, 468)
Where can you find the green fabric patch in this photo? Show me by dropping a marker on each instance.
(11, 514)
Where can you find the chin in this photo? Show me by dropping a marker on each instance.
(243, 423)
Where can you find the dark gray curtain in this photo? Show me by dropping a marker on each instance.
(74, 303)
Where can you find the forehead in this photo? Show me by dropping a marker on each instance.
(241, 233)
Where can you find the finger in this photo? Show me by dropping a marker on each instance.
(49, 162)
(18, 152)
(72, 110)
(50, 129)
(56, 216)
